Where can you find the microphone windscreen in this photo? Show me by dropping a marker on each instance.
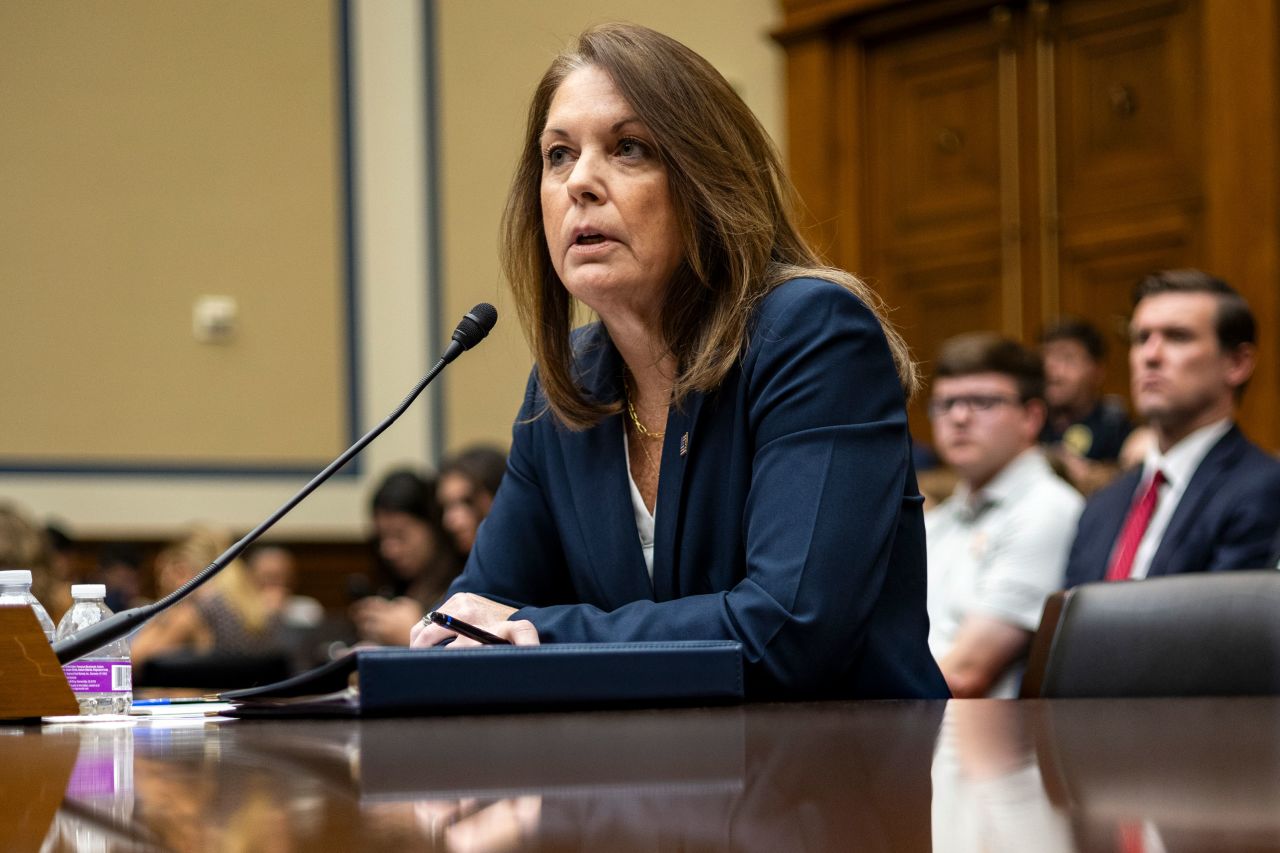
(475, 325)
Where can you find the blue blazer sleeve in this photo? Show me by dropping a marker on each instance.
(788, 516)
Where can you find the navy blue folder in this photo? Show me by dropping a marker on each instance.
(405, 682)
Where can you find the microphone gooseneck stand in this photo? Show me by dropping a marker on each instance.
(473, 328)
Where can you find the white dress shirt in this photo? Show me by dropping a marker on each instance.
(1179, 464)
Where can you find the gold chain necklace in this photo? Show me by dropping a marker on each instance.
(644, 448)
(643, 433)
(643, 430)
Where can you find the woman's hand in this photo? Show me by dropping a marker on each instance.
(481, 612)
(387, 622)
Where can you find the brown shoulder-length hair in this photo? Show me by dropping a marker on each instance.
(734, 203)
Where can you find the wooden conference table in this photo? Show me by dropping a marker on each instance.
(1194, 774)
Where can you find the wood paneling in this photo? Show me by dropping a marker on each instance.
(1128, 153)
(812, 159)
(994, 165)
(1127, 97)
(1241, 121)
(325, 568)
(937, 197)
(934, 139)
(1099, 269)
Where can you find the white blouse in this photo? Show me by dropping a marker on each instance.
(644, 518)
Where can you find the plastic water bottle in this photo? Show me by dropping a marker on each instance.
(15, 588)
(99, 801)
(103, 679)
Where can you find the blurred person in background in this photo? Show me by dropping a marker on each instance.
(61, 567)
(998, 546)
(1084, 430)
(468, 481)
(1205, 498)
(1135, 448)
(120, 571)
(275, 574)
(298, 622)
(226, 615)
(25, 545)
(414, 550)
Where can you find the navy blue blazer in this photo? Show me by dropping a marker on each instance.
(788, 517)
(1227, 518)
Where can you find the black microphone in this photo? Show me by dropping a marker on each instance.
(472, 329)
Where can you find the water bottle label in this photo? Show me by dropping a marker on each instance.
(94, 776)
(91, 676)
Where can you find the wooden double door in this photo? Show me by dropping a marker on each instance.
(995, 166)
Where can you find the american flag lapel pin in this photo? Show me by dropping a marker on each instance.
(684, 444)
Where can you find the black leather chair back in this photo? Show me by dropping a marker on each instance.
(1210, 634)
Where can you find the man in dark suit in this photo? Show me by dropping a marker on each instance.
(1205, 497)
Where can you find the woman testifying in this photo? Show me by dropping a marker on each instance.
(724, 455)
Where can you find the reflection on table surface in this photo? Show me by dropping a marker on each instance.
(967, 776)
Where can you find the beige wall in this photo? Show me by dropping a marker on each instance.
(146, 164)
(489, 54)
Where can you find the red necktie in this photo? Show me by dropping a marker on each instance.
(1135, 526)
(1129, 838)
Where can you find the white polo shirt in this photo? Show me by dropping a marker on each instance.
(999, 552)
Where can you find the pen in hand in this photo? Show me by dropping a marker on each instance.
(444, 620)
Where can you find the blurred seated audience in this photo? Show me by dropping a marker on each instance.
(468, 481)
(120, 571)
(275, 575)
(24, 544)
(1083, 430)
(1205, 498)
(413, 550)
(998, 546)
(298, 622)
(1135, 448)
(225, 616)
(61, 566)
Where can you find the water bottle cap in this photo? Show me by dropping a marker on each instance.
(88, 590)
(12, 576)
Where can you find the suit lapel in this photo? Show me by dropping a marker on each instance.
(599, 486)
(1216, 465)
(677, 448)
(1113, 518)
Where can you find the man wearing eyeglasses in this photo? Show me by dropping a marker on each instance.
(998, 546)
